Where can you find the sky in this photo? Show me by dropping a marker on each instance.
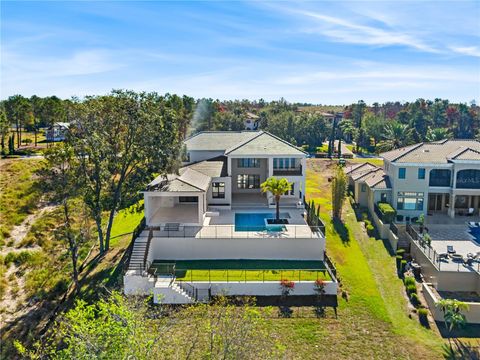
(315, 52)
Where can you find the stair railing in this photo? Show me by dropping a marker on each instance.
(147, 250)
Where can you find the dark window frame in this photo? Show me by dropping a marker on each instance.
(248, 181)
(218, 190)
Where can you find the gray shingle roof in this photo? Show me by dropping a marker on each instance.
(215, 167)
(189, 181)
(218, 140)
(241, 143)
(436, 152)
(264, 144)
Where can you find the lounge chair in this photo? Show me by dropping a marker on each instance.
(450, 249)
(442, 256)
(457, 257)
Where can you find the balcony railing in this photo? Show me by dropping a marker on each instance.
(239, 232)
(290, 171)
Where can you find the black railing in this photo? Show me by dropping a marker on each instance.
(136, 232)
(253, 275)
(394, 228)
(330, 266)
(290, 171)
(147, 249)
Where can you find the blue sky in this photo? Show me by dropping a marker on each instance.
(319, 52)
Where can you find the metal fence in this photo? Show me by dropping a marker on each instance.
(239, 232)
(250, 275)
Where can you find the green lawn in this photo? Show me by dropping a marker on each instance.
(367, 270)
(244, 270)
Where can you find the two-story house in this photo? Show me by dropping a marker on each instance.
(427, 178)
(206, 225)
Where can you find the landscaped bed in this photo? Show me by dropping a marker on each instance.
(243, 270)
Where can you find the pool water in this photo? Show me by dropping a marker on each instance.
(256, 221)
(475, 232)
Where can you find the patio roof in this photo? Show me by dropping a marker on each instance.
(189, 181)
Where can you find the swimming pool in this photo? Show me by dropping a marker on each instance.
(256, 221)
(475, 232)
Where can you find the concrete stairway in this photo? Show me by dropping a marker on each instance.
(182, 292)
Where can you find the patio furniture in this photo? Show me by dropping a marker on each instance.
(470, 211)
(442, 256)
(450, 249)
(457, 257)
(416, 269)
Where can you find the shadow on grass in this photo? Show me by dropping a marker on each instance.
(457, 349)
(341, 230)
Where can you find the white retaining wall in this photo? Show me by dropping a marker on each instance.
(241, 248)
(472, 315)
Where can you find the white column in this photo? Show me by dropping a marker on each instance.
(146, 206)
(200, 209)
(451, 209)
(270, 167)
(229, 166)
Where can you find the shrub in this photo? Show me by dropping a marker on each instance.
(423, 316)
(388, 212)
(370, 229)
(403, 263)
(401, 252)
(409, 280)
(414, 299)
(411, 289)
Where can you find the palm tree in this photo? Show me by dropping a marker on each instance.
(437, 134)
(452, 315)
(396, 135)
(277, 187)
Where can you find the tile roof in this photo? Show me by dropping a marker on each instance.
(377, 179)
(441, 152)
(350, 170)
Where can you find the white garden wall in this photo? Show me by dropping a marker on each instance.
(242, 248)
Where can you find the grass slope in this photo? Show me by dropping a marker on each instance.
(368, 274)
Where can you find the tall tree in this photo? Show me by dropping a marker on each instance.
(18, 110)
(465, 127)
(120, 141)
(396, 135)
(339, 192)
(62, 186)
(374, 127)
(358, 112)
(4, 127)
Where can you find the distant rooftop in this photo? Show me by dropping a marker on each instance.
(441, 152)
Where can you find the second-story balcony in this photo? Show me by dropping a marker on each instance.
(295, 171)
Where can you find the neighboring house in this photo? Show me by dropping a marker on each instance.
(57, 132)
(210, 219)
(251, 121)
(440, 180)
(427, 178)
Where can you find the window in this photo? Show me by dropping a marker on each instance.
(383, 197)
(402, 173)
(291, 192)
(421, 173)
(364, 187)
(468, 179)
(248, 163)
(248, 181)
(188, 199)
(218, 190)
(440, 177)
(284, 163)
(410, 201)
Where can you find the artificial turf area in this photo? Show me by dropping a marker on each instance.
(244, 270)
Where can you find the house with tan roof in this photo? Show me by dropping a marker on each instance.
(437, 178)
(206, 229)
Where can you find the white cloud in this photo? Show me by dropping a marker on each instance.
(467, 50)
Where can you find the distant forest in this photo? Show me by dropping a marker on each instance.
(375, 128)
